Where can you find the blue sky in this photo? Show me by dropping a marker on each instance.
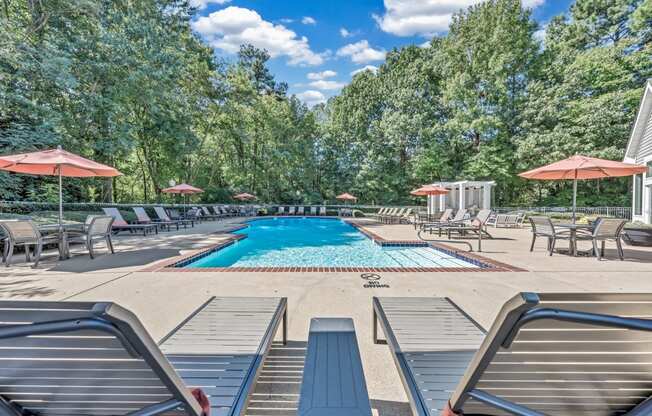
(317, 45)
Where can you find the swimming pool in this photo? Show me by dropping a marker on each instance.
(319, 242)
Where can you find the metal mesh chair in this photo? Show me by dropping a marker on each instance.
(96, 228)
(608, 229)
(25, 233)
(543, 227)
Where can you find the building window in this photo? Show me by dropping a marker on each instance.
(649, 169)
(638, 194)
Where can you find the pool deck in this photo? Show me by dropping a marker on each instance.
(162, 300)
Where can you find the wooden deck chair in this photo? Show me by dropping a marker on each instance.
(569, 354)
(97, 359)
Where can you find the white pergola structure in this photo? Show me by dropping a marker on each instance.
(462, 194)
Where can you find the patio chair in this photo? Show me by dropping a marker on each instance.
(333, 380)
(380, 213)
(313, 211)
(24, 233)
(322, 210)
(144, 218)
(292, 210)
(546, 354)
(300, 211)
(119, 223)
(165, 218)
(392, 217)
(207, 214)
(542, 226)
(607, 229)
(391, 211)
(445, 220)
(96, 228)
(85, 358)
(280, 211)
(193, 214)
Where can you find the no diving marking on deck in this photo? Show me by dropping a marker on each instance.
(373, 281)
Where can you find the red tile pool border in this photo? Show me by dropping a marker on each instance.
(486, 264)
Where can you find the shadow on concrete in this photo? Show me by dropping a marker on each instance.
(390, 408)
(24, 289)
(81, 263)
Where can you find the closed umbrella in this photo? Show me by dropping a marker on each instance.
(56, 162)
(183, 189)
(582, 167)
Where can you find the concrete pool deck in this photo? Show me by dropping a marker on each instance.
(162, 300)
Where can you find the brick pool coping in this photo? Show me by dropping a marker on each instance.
(177, 263)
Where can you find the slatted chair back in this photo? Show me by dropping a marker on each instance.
(300, 210)
(162, 215)
(21, 231)
(291, 210)
(100, 225)
(206, 211)
(174, 213)
(542, 225)
(407, 212)
(382, 211)
(482, 217)
(564, 355)
(281, 210)
(460, 215)
(322, 210)
(83, 358)
(446, 215)
(313, 210)
(608, 228)
(141, 214)
(217, 210)
(117, 217)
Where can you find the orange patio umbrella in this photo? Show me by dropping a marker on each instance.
(582, 167)
(346, 197)
(244, 196)
(183, 189)
(426, 190)
(56, 162)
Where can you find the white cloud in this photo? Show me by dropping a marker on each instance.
(201, 4)
(344, 33)
(361, 52)
(425, 17)
(307, 20)
(366, 68)
(321, 75)
(311, 97)
(286, 20)
(326, 85)
(231, 27)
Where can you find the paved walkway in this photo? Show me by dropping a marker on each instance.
(162, 300)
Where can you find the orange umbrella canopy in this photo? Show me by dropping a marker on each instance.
(244, 196)
(429, 190)
(55, 162)
(346, 197)
(583, 167)
(182, 188)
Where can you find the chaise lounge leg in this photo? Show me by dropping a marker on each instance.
(285, 327)
(621, 253)
(596, 252)
(553, 240)
(37, 254)
(109, 243)
(10, 252)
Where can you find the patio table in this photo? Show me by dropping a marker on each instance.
(573, 228)
(62, 231)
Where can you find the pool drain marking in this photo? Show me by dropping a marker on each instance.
(373, 281)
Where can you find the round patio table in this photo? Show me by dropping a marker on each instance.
(573, 228)
(62, 231)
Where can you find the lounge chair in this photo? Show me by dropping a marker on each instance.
(388, 213)
(300, 211)
(144, 218)
(380, 213)
(546, 354)
(96, 228)
(165, 218)
(280, 211)
(292, 211)
(84, 358)
(322, 210)
(206, 213)
(477, 225)
(542, 226)
(459, 218)
(313, 210)
(25, 233)
(221, 210)
(506, 220)
(391, 217)
(119, 223)
(333, 380)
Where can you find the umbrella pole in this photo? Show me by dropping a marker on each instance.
(574, 198)
(60, 199)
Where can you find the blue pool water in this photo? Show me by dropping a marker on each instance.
(318, 242)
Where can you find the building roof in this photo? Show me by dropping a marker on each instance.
(638, 130)
(467, 184)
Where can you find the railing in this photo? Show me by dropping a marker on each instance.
(615, 212)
